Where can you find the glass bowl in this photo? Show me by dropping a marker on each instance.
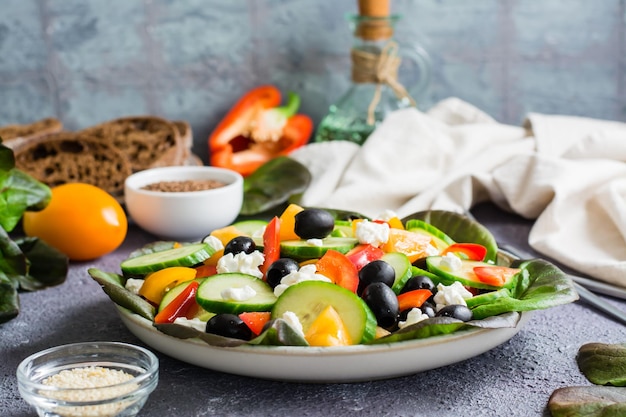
(88, 379)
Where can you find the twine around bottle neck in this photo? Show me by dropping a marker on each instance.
(380, 69)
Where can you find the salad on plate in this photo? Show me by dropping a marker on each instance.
(327, 278)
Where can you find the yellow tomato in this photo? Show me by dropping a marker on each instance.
(82, 221)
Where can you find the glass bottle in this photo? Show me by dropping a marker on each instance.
(375, 90)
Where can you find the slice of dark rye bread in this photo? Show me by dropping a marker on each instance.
(147, 141)
(66, 157)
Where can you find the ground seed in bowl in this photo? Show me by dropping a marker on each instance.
(96, 383)
(183, 186)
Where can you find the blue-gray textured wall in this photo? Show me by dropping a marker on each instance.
(90, 61)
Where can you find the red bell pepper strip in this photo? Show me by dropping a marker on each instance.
(363, 254)
(255, 320)
(494, 275)
(413, 299)
(179, 306)
(473, 251)
(336, 266)
(256, 130)
(271, 244)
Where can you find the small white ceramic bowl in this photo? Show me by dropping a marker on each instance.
(187, 215)
(89, 379)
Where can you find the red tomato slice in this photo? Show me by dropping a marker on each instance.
(363, 254)
(271, 244)
(473, 251)
(495, 275)
(336, 266)
(255, 320)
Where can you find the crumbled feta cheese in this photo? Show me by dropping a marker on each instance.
(415, 315)
(213, 242)
(373, 233)
(315, 242)
(238, 294)
(194, 323)
(241, 262)
(293, 320)
(451, 294)
(134, 285)
(305, 273)
(387, 215)
(450, 262)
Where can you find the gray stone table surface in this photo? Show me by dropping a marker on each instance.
(513, 379)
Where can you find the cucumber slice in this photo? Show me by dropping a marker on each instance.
(209, 294)
(187, 255)
(439, 238)
(302, 250)
(307, 300)
(465, 274)
(250, 227)
(402, 266)
(343, 228)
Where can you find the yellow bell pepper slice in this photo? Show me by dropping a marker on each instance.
(288, 222)
(158, 283)
(328, 330)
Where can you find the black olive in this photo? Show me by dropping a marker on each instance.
(418, 282)
(456, 311)
(228, 325)
(428, 309)
(383, 302)
(239, 244)
(279, 269)
(376, 271)
(313, 223)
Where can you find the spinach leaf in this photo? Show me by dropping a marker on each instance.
(540, 285)
(26, 264)
(603, 363)
(273, 183)
(591, 401)
(113, 285)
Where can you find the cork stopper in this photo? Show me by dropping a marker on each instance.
(372, 24)
(374, 8)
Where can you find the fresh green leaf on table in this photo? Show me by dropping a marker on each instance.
(588, 401)
(603, 363)
(26, 264)
(272, 184)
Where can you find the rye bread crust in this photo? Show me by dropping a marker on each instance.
(147, 141)
(15, 135)
(67, 157)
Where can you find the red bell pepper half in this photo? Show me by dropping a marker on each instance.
(179, 306)
(257, 129)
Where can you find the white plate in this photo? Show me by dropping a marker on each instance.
(336, 364)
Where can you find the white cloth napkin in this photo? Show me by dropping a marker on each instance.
(566, 172)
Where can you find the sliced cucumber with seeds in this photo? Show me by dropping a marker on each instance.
(307, 300)
(402, 266)
(302, 250)
(187, 255)
(209, 294)
(250, 227)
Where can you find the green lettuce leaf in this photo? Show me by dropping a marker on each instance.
(273, 184)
